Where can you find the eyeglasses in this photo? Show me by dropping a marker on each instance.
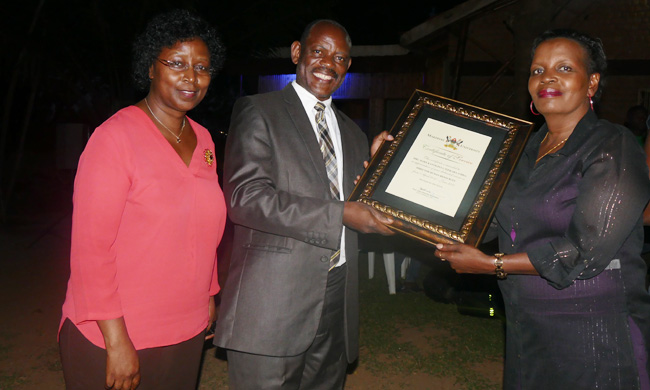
(179, 66)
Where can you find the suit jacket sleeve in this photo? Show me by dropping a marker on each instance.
(269, 179)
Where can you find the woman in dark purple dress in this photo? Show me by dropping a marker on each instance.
(570, 233)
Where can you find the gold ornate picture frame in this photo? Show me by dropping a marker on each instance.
(442, 177)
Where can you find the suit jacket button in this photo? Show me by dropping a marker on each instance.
(324, 258)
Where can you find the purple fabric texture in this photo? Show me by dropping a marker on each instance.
(577, 214)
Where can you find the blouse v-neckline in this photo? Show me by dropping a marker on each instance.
(158, 135)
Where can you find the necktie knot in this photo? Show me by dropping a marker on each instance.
(320, 111)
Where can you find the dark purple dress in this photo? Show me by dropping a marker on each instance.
(577, 214)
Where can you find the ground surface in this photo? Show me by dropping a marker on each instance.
(422, 350)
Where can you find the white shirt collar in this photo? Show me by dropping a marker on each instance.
(307, 99)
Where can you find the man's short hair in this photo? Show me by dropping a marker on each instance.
(310, 26)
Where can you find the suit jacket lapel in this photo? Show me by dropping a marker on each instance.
(305, 131)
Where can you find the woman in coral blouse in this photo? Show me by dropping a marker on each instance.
(148, 216)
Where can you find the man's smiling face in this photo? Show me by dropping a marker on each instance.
(322, 61)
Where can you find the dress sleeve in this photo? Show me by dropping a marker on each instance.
(101, 188)
(214, 283)
(611, 197)
(253, 196)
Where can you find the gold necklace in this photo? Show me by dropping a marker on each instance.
(178, 137)
(551, 149)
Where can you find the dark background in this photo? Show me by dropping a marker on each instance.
(70, 62)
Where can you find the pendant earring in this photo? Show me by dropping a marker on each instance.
(591, 103)
(532, 108)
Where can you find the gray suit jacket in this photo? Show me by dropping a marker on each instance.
(286, 227)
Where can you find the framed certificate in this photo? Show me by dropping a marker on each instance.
(442, 177)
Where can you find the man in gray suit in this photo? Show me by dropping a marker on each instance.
(289, 309)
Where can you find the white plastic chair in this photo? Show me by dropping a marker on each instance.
(389, 266)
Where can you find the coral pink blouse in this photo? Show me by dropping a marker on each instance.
(145, 230)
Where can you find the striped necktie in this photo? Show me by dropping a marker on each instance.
(327, 149)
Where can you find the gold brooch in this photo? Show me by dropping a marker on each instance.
(208, 156)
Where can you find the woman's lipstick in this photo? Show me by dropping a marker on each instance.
(549, 93)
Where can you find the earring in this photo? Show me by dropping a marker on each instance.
(591, 103)
(532, 110)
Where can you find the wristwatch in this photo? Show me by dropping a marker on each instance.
(498, 266)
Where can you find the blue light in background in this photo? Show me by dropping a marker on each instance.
(355, 85)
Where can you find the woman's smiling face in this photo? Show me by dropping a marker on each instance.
(181, 90)
(559, 81)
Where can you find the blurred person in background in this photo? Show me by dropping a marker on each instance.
(635, 120)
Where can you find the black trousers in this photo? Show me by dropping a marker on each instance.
(322, 366)
(172, 367)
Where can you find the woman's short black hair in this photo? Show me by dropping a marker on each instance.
(596, 59)
(167, 29)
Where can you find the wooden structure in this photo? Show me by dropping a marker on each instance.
(479, 53)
